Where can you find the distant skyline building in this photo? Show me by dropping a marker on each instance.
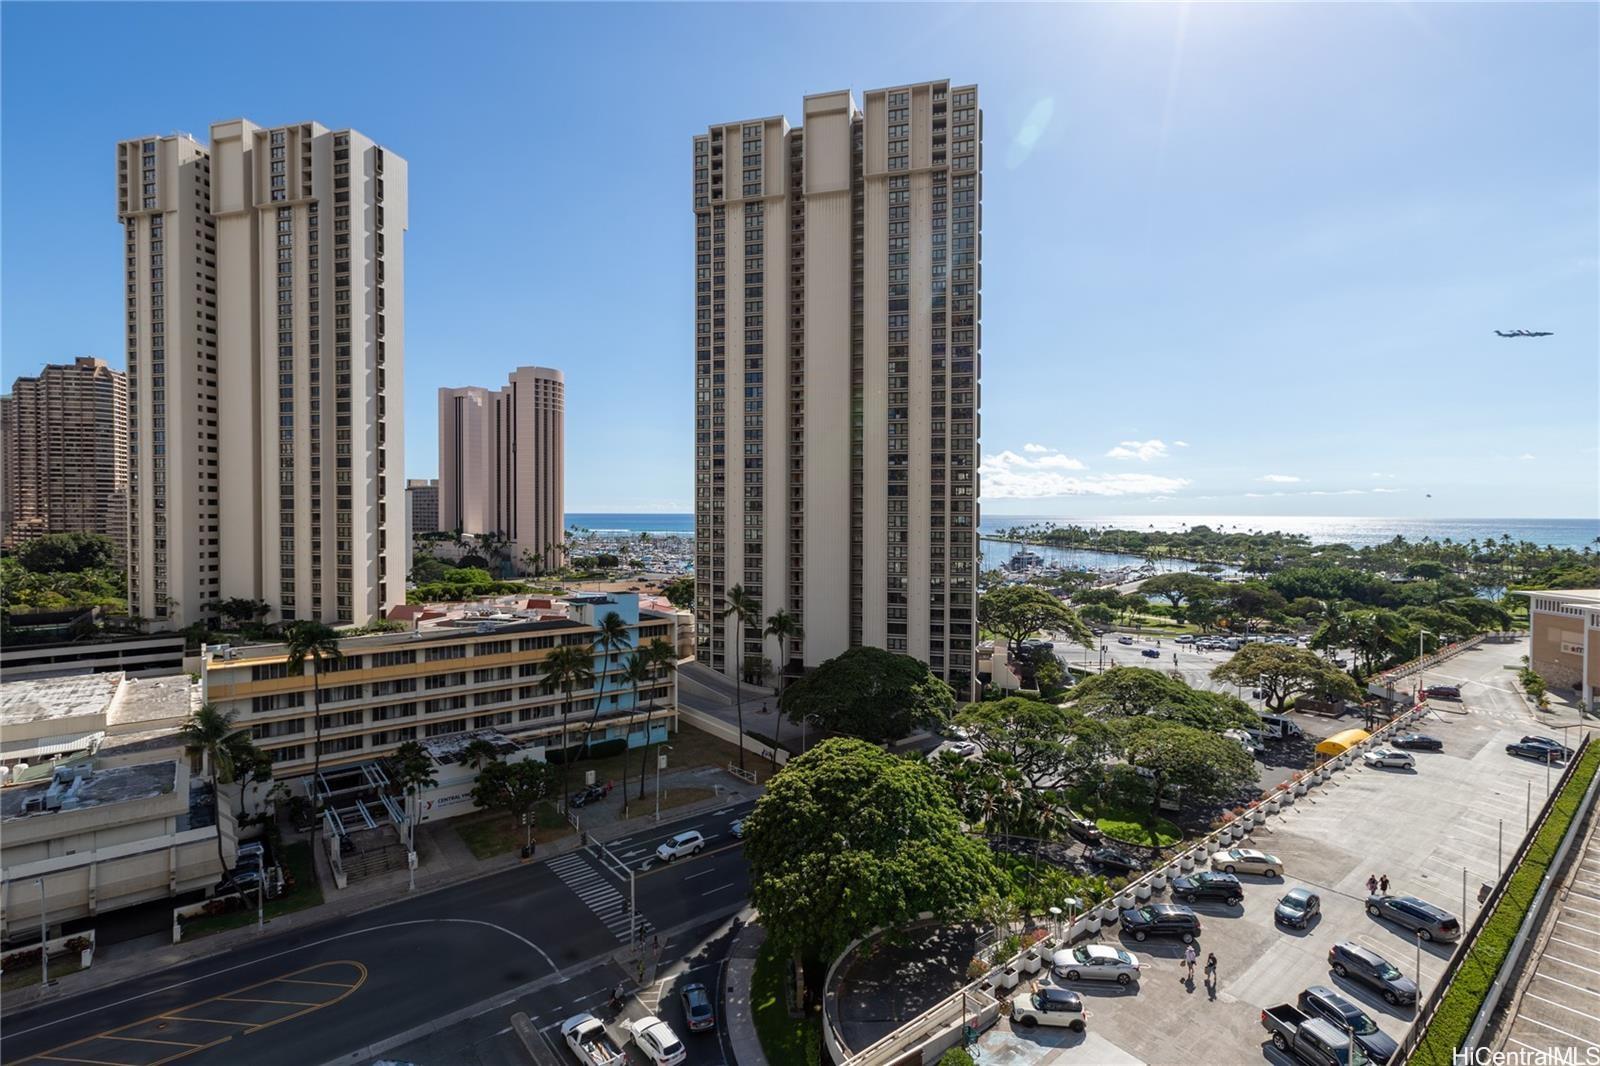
(502, 456)
(261, 427)
(65, 452)
(422, 505)
(837, 362)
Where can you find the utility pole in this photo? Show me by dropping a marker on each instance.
(44, 938)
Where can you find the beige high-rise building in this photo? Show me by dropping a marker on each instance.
(837, 361)
(422, 505)
(66, 452)
(280, 475)
(163, 203)
(502, 456)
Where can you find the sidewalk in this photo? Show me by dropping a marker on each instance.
(444, 861)
(736, 996)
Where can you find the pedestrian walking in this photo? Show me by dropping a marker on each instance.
(1211, 968)
(1372, 885)
(1189, 958)
(1383, 884)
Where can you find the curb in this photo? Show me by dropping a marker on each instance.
(740, 971)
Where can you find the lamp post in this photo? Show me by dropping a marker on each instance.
(1419, 969)
(261, 890)
(1420, 634)
(44, 940)
(661, 761)
(1055, 920)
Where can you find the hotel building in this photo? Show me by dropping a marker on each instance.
(265, 340)
(1564, 641)
(66, 452)
(422, 505)
(458, 670)
(501, 462)
(837, 361)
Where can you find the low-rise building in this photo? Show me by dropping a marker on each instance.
(459, 669)
(112, 717)
(1564, 640)
(91, 839)
(54, 643)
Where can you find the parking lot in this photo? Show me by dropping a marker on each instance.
(1423, 828)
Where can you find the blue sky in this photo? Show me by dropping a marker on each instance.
(1239, 259)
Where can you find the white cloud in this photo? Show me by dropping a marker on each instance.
(1180, 444)
(1383, 477)
(1526, 456)
(1255, 495)
(1388, 490)
(1341, 492)
(1279, 479)
(1142, 450)
(1034, 448)
(1007, 475)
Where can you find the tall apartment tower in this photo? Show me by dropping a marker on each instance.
(170, 300)
(837, 311)
(502, 457)
(280, 477)
(66, 452)
(422, 505)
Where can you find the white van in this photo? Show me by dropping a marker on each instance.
(1277, 727)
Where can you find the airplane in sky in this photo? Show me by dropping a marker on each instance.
(1522, 333)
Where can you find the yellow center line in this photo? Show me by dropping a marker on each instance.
(97, 1062)
(279, 1002)
(305, 981)
(207, 1021)
(150, 1040)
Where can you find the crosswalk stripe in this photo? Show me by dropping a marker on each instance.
(597, 892)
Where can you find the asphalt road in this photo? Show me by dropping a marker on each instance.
(354, 982)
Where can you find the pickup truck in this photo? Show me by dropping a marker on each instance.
(586, 1036)
(1309, 1039)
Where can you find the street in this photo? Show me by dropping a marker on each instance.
(554, 925)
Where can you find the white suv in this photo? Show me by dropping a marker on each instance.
(686, 843)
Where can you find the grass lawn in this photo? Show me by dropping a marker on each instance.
(1135, 824)
(297, 860)
(23, 976)
(491, 833)
(785, 1040)
(1450, 1022)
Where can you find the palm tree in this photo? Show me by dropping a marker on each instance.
(569, 668)
(212, 733)
(742, 607)
(783, 628)
(636, 671)
(311, 640)
(413, 772)
(478, 753)
(611, 635)
(663, 660)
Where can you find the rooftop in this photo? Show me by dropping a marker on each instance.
(1568, 597)
(149, 700)
(450, 749)
(40, 699)
(78, 787)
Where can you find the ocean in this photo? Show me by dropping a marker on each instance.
(1358, 532)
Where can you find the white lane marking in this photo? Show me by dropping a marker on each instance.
(702, 873)
(1570, 944)
(1569, 984)
(719, 888)
(1564, 962)
(289, 951)
(1563, 1006)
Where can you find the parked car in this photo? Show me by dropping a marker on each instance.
(686, 843)
(1532, 750)
(1124, 640)
(657, 1040)
(1185, 638)
(1297, 907)
(1389, 757)
(1417, 742)
(1049, 1006)
(1247, 861)
(1308, 1039)
(1161, 919)
(1549, 742)
(1350, 960)
(1320, 1001)
(1208, 885)
(1151, 653)
(1112, 859)
(585, 796)
(1095, 962)
(1409, 912)
(1443, 692)
(1085, 830)
(698, 1013)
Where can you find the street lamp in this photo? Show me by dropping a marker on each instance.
(44, 940)
(1420, 668)
(661, 762)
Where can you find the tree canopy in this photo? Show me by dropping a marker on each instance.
(1017, 612)
(869, 693)
(849, 838)
(1206, 765)
(1282, 673)
(1131, 691)
(515, 788)
(679, 592)
(68, 553)
(1052, 746)
(1177, 587)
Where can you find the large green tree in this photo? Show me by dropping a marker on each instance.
(849, 838)
(1133, 692)
(69, 553)
(1178, 587)
(679, 592)
(1052, 746)
(227, 750)
(515, 788)
(1017, 612)
(1282, 673)
(1205, 765)
(870, 693)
